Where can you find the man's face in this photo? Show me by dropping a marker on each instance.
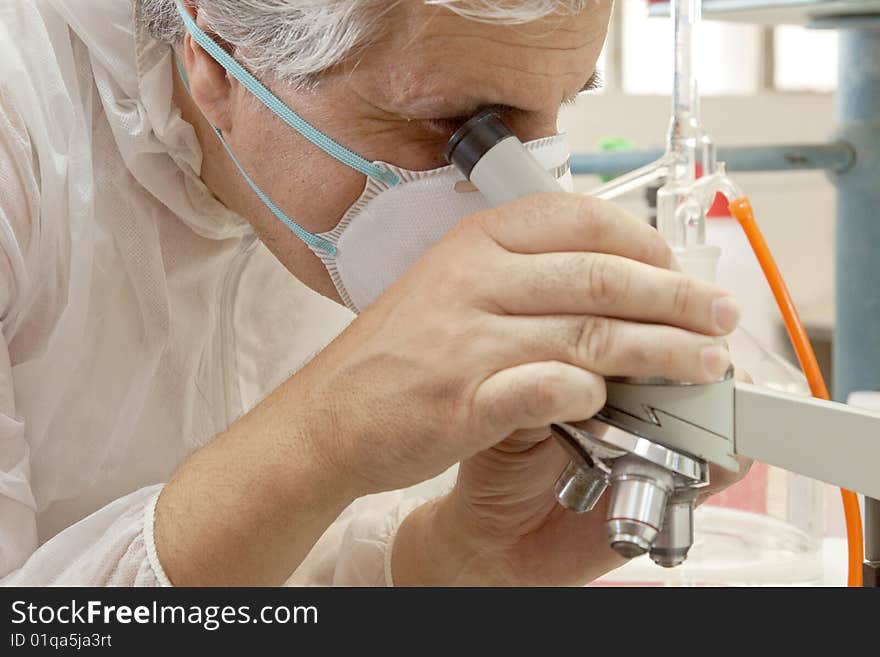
(401, 100)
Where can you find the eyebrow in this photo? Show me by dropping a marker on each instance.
(594, 82)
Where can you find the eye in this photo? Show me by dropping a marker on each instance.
(445, 127)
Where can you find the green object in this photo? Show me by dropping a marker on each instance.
(611, 144)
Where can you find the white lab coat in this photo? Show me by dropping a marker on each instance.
(139, 315)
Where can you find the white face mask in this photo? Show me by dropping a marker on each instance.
(389, 228)
(400, 213)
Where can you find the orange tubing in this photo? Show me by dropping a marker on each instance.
(741, 209)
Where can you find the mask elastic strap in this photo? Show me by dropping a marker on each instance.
(283, 112)
(308, 238)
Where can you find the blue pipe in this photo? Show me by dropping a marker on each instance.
(857, 327)
(838, 157)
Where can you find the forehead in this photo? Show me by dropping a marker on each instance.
(430, 58)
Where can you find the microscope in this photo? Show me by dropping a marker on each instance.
(652, 444)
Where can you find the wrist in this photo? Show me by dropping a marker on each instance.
(248, 507)
(435, 547)
(316, 428)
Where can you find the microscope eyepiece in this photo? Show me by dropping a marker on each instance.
(474, 139)
(489, 155)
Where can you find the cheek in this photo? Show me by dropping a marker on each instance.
(312, 188)
(315, 191)
(319, 189)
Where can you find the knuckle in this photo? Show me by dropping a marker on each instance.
(667, 359)
(596, 222)
(662, 358)
(543, 397)
(451, 285)
(479, 227)
(682, 296)
(659, 251)
(483, 221)
(607, 280)
(649, 355)
(490, 409)
(593, 340)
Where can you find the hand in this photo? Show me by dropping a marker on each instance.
(508, 324)
(501, 523)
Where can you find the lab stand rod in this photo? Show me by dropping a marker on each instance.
(872, 530)
(835, 157)
(857, 326)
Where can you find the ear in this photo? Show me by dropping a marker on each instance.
(209, 84)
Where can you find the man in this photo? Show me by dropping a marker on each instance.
(157, 217)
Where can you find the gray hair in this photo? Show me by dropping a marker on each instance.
(295, 40)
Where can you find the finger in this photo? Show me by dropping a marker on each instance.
(535, 395)
(547, 223)
(612, 347)
(524, 440)
(600, 284)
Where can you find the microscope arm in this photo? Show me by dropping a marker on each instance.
(824, 440)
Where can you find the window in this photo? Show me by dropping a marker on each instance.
(733, 59)
(805, 60)
(728, 59)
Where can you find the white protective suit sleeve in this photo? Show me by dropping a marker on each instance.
(114, 545)
(108, 547)
(19, 209)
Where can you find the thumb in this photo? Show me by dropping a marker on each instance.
(535, 395)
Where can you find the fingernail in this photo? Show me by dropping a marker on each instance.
(725, 312)
(715, 359)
